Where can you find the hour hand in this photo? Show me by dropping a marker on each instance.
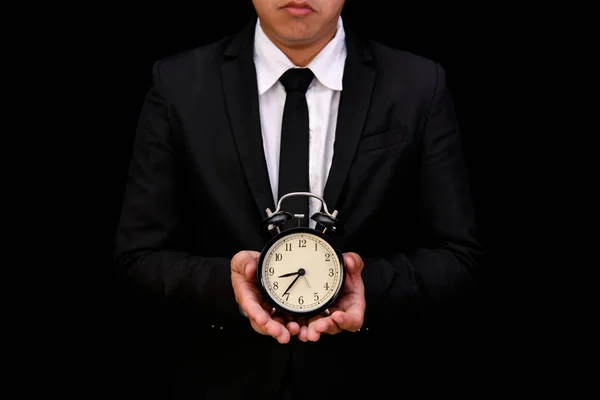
(289, 274)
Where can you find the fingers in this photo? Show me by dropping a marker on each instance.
(275, 326)
(334, 324)
(262, 321)
(303, 334)
(281, 327)
(321, 325)
(290, 324)
(297, 327)
(347, 321)
(249, 303)
(311, 330)
(293, 327)
(267, 324)
(272, 328)
(243, 270)
(243, 280)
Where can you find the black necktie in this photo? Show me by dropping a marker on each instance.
(293, 156)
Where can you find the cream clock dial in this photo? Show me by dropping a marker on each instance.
(301, 272)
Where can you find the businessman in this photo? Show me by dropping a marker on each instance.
(295, 101)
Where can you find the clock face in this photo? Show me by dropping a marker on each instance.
(301, 272)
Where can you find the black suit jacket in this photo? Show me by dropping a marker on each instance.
(197, 191)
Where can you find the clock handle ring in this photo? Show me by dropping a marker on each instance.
(325, 209)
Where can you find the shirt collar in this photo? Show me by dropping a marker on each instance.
(271, 63)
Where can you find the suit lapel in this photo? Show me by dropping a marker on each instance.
(241, 97)
(358, 81)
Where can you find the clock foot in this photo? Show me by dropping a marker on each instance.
(327, 312)
(273, 310)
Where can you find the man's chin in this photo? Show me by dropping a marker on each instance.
(298, 39)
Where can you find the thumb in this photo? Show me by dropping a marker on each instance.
(241, 261)
(353, 262)
(349, 261)
(251, 265)
(250, 268)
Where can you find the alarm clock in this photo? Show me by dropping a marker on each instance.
(300, 271)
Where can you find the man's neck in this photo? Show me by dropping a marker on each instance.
(301, 55)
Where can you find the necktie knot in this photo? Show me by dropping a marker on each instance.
(296, 79)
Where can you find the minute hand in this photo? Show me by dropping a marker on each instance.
(291, 284)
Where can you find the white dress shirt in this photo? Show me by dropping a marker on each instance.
(322, 97)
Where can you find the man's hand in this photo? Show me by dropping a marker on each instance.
(348, 312)
(247, 295)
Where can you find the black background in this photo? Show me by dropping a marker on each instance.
(465, 39)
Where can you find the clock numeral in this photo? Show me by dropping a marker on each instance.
(317, 295)
(301, 242)
(278, 257)
(316, 246)
(327, 257)
(287, 296)
(288, 247)
(300, 300)
(275, 285)
(326, 286)
(271, 271)
(330, 271)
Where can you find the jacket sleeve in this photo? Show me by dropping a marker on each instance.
(440, 276)
(153, 269)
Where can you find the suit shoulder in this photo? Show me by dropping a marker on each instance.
(415, 67)
(190, 63)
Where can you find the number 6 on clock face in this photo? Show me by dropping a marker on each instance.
(301, 272)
